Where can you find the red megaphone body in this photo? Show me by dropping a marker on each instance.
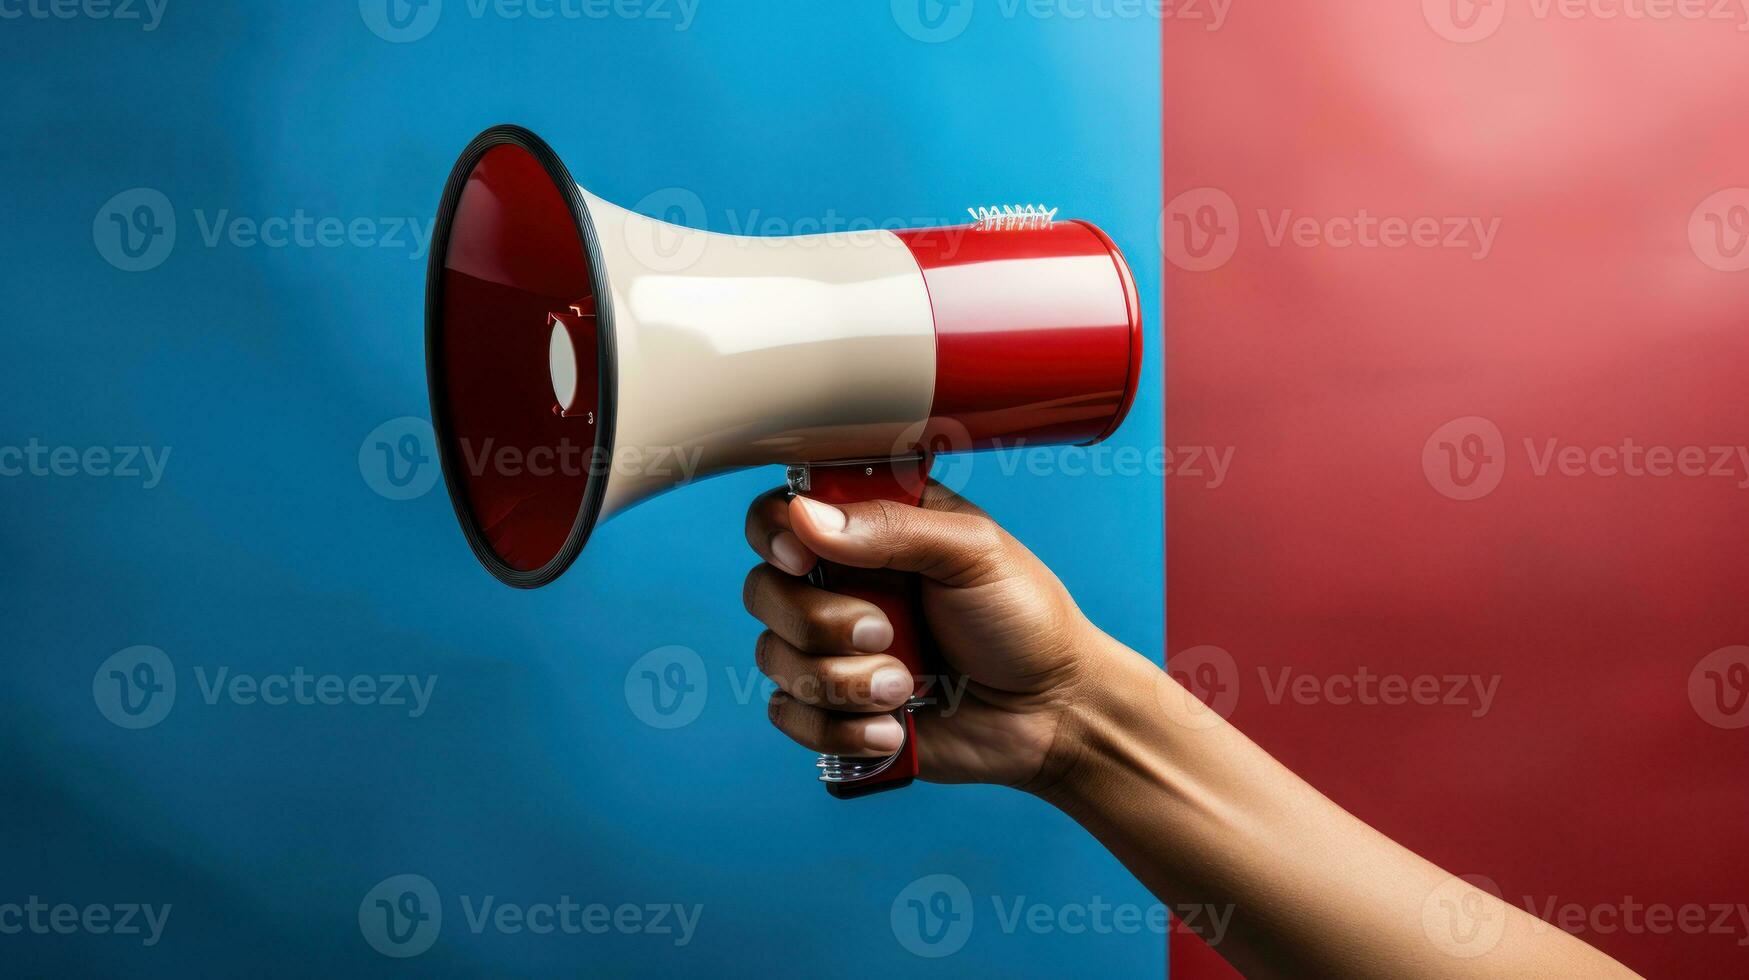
(582, 358)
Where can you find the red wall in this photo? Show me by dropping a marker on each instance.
(1610, 771)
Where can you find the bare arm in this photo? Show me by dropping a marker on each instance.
(1054, 706)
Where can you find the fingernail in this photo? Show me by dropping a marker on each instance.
(891, 685)
(825, 516)
(787, 553)
(884, 734)
(871, 634)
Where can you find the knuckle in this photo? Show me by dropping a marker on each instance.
(841, 685)
(764, 651)
(752, 586)
(984, 537)
(824, 628)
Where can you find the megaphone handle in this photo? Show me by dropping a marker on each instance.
(895, 593)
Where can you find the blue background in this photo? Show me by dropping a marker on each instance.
(265, 548)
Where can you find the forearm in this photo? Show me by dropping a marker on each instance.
(1204, 816)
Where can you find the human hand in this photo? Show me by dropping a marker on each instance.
(1016, 648)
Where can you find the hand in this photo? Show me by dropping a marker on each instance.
(1017, 648)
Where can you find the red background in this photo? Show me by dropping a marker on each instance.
(1593, 778)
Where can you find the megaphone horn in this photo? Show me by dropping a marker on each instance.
(583, 358)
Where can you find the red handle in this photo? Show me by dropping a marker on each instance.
(896, 594)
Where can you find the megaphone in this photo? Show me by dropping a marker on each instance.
(582, 358)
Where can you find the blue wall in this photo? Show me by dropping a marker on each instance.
(264, 548)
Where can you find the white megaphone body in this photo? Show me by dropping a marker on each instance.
(582, 358)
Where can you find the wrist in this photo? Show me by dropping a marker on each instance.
(1113, 692)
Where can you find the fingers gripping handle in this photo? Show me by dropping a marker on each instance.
(896, 594)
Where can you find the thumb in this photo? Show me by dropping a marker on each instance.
(952, 547)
